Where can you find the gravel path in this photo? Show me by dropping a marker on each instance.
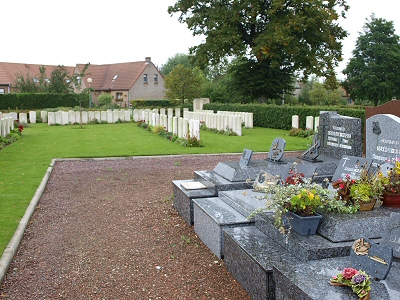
(106, 229)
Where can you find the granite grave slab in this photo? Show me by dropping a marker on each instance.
(351, 166)
(391, 234)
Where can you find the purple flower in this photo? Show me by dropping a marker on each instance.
(358, 278)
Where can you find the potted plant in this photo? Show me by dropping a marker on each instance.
(367, 190)
(391, 187)
(343, 189)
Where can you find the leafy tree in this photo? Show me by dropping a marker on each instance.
(183, 83)
(175, 60)
(60, 81)
(27, 84)
(105, 98)
(373, 72)
(320, 95)
(292, 35)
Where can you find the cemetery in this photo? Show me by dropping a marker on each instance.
(228, 208)
(352, 255)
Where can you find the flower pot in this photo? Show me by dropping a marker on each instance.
(391, 200)
(303, 225)
(365, 206)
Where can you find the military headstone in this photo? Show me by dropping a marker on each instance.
(246, 157)
(382, 138)
(372, 258)
(351, 166)
(391, 234)
(339, 135)
(277, 149)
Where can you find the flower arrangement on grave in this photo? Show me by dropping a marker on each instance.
(343, 189)
(391, 182)
(367, 189)
(358, 280)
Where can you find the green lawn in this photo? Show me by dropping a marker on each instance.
(24, 163)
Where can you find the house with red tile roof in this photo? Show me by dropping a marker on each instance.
(129, 81)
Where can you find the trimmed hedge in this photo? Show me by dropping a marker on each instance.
(32, 101)
(280, 117)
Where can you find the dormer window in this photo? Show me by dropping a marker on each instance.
(145, 78)
(155, 78)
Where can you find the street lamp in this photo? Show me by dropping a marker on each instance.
(89, 80)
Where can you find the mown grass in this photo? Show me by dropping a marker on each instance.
(24, 163)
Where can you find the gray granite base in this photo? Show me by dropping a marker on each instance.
(211, 216)
(234, 171)
(249, 256)
(183, 199)
(220, 183)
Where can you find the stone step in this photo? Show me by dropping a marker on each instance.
(244, 201)
(183, 198)
(249, 256)
(211, 216)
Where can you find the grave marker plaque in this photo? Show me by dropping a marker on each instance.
(352, 166)
(264, 180)
(312, 153)
(246, 157)
(374, 259)
(277, 149)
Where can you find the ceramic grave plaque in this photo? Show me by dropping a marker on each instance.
(276, 151)
(372, 258)
(391, 234)
(246, 157)
(352, 166)
(382, 138)
(264, 180)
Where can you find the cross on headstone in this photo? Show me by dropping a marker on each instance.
(351, 166)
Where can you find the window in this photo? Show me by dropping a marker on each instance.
(1, 91)
(145, 78)
(35, 80)
(155, 78)
(115, 77)
(119, 96)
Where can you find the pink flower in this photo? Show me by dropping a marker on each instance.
(348, 273)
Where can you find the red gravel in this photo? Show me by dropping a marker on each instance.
(106, 229)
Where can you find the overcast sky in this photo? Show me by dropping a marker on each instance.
(80, 31)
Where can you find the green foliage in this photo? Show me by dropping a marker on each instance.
(177, 59)
(105, 98)
(371, 72)
(294, 35)
(182, 84)
(320, 95)
(30, 101)
(301, 132)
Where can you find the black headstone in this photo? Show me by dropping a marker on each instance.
(376, 262)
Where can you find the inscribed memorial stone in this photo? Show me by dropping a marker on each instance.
(382, 137)
(339, 135)
(352, 166)
(391, 234)
(276, 151)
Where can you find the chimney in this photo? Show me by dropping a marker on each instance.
(148, 60)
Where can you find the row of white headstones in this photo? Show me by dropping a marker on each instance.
(169, 118)
(312, 123)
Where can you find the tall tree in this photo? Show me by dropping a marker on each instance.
(183, 83)
(373, 73)
(294, 35)
(60, 81)
(172, 62)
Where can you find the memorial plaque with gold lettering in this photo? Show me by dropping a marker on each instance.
(372, 258)
(391, 235)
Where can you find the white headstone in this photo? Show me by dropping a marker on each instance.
(43, 115)
(32, 117)
(169, 128)
(177, 112)
(310, 122)
(84, 117)
(170, 112)
(64, 118)
(180, 127)
(58, 117)
(115, 116)
(295, 121)
(91, 116)
(162, 111)
(103, 116)
(109, 116)
(78, 117)
(71, 117)
(175, 125)
(97, 116)
(23, 118)
(51, 119)
(127, 115)
(13, 115)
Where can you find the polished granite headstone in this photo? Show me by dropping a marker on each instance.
(312, 153)
(382, 137)
(339, 135)
(391, 234)
(377, 260)
(277, 149)
(351, 166)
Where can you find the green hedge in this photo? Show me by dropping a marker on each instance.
(24, 101)
(280, 117)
